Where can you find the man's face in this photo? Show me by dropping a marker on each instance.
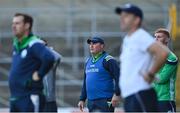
(162, 38)
(96, 47)
(127, 20)
(18, 26)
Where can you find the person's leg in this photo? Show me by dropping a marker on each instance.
(42, 102)
(90, 105)
(173, 106)
(13, 106)
(148, 100)
(25, 104)
(51, 107)
(166, 106)
(104, 105)
(131, 104)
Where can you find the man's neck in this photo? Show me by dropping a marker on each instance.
(20, 38)
(131, 31)
(95, 56)
(165, 44)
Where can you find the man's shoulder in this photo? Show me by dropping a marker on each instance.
(87, 59)
(108, 58)
(57, 55)
(141, 37)
(34, 39)
(143, 40)
(144, 34)
(172, 58)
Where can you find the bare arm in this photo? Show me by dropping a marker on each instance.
(160, 54)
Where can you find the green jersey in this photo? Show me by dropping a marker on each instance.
(165, 85)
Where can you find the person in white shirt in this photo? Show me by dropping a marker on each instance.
(140, 59)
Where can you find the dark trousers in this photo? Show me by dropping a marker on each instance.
(143, 101)
(51, 107)
(25, 104)
(100, 105)
(166, 106)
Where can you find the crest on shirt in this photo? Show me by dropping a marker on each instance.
(23, 53)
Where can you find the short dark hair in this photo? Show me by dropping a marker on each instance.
(27, 19)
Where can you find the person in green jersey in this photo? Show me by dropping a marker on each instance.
(166, 77)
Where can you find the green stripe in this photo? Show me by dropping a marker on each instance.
(24, 43)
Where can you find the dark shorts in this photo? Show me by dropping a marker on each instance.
(143, 101)
(166, 106)
(25, 104)
(100, 105)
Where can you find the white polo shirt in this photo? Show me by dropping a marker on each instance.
(135, 60)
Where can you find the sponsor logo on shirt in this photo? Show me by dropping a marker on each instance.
(92, 70)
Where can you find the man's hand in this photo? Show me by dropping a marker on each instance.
(35, 76)
(160, 54)
(148, 77)
(115, 100)
(81, 105)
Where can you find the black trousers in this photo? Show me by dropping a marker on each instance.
(100, 105)
(51, 107)
(143, 101)
(25, 104)
(166, 106)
